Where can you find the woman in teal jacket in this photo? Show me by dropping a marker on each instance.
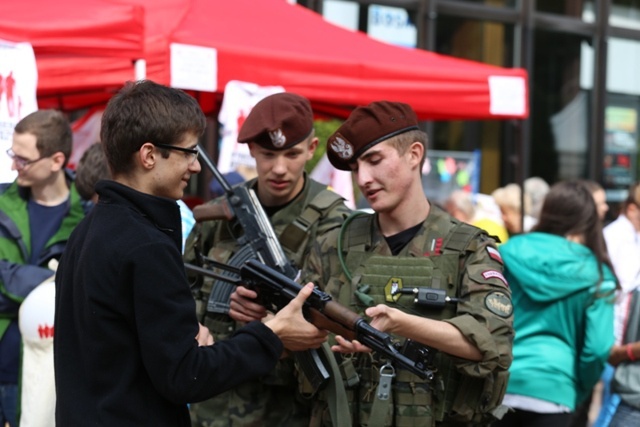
(562, 290)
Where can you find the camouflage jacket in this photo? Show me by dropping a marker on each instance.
(483, 313)
(273, 400)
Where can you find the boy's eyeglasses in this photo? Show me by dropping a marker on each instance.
(21, 162)
(192, 152)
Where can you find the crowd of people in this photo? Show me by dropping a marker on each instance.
(516, 303)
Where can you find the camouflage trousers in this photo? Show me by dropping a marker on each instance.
(253, 404)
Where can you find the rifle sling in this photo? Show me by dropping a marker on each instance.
(336, 393)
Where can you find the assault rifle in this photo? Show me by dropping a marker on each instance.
(258, 242)
(276, 290)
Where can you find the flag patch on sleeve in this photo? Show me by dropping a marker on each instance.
(494, 254)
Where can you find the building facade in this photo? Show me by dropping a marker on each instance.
(582, 56)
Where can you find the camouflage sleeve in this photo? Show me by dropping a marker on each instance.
(201, 234)
(323, 266)
(485, 312)
(312, 270)
(333, 218)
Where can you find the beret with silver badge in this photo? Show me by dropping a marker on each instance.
(278, 122)
(366, 127)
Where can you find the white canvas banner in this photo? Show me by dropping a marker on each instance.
(18, 83)
(239, 99)
(86, 132)
(194, 67)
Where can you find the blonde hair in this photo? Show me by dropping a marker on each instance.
(462, 201)
(537, 188)
(509, 196)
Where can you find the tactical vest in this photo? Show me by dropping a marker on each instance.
(375, 279)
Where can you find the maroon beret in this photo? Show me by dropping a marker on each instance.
(366, 127)
(278, 122)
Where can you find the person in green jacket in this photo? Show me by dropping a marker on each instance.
(38, 211)
(562, 285)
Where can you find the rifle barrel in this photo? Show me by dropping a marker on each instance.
(210, 273)
(204, 158)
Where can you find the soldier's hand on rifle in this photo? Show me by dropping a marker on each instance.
(384, 318)
(293, 329)
(345, 346)
(434, 333)
(243, 307)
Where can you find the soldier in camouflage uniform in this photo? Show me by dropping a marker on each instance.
(279, 131)
(420, 274)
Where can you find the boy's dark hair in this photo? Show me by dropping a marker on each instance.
(52, 131)
(91, 168)
(142, 112)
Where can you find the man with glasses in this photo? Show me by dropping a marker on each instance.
(128, 350)
(38, 211)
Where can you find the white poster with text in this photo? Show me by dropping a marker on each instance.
(18, 83)
(239, 99)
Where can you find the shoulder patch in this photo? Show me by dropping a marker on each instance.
(499, 304)
(494, 254)
(493, 274)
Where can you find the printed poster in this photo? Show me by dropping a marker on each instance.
(18, 84)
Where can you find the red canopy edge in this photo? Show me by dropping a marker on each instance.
(271, 42)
